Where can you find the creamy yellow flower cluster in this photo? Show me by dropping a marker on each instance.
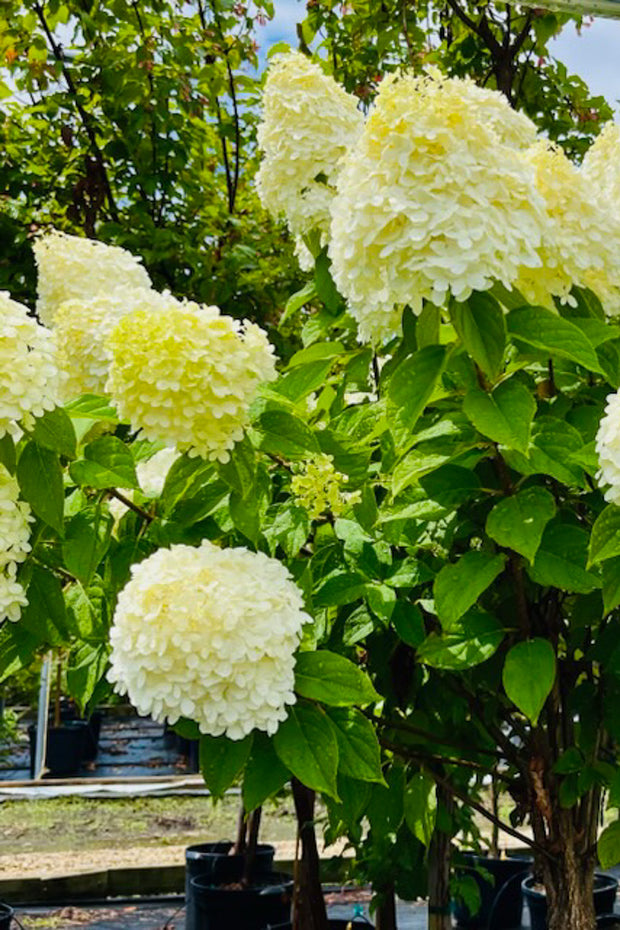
(318, 488)
(179, 372)
(444, 191)
(15, 517)
(209, 634)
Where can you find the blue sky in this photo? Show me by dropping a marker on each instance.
(594, 54)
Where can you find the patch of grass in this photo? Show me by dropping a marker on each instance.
(63, 824)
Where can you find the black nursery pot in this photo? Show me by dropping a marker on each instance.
(6, 916)
(66, 746)
(212, 863)
(265, 903)
(91, 740)
(334, 923)
(500, 900)
(608, 921)
(605, 888)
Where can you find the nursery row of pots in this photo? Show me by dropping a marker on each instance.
(216, 898)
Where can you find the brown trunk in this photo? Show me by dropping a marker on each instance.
(439, 911)
(309, 907)
(569, 884)
(386, 910)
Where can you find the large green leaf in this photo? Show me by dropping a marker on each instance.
(54, 430)
(457, 587)
(518, 522)
(107, 463)
(471, 641)
(528, 676)
(411, 386)
(605, 536)
(359, 755)
(611, 584)
(330, 678)
(282, 433)
(185, 479)
(561, 560)
(91, 407)
(45, 616)
(554, 445)
(386, 807)
(340, 588)
(609, 846)
(87, 537)
(17, 648)
(86, 669)
(549, 333)
(297, 300)
(222, 760)
(505, 415)
(481, 326)
(40, 479)
(307, 744)
(240, 470)
(408, 622)
(264, 772)
(303, 379)
(421, 806)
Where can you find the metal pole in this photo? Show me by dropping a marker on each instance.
(42, 713)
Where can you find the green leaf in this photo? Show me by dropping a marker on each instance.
(609, 846)
(547, 332)
(45, 616)
(611, 584)
(386, 807)
(40, 479)
(303, 379)
(186, 477)
(340, 588)
(8, 454)
(297, 300)
(307, 744)
(87, 537)
(17, 648)
(54, 430)
(481, 327)
(408, 623)
(518, 522)
(457, 587)
(553, 449)
(359, 754)
(264, 773)
(473, 640)
(561, 560)
(91, 407)
(324, 283)
(427, 326)
(285, 434)
(330, 678)
(86, 669)
(570, 762)
(412, 384)
(421, 807)
(505, 415)
(528, 676)
(244, 514)
(240, 470)
(605, 536)
(222, 760)
(107, 463)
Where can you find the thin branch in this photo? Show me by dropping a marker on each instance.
(113, 492)
(432, 737)
(84, 116)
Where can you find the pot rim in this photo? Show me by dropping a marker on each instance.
(219, 847)
(605, 883)
(6, 910)
(278, 881)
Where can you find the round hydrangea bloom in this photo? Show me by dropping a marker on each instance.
(208, 634)
(608, 449)
(581, 243)
(73, 267)
(186, 375)
(29, 377)
(309, 122)
(15, 516)
(82, 327)
(12, 597)
(601, 165)
(318, 488)
(436, 198)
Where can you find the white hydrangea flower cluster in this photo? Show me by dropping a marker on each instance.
(82, 327)
(309, 122)
(29, 376)
(209, 634)
(601, 164)
(435, 199)
(186, 375)
(70, 267)
(579, 245)
(608, 449)
(15, 516)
